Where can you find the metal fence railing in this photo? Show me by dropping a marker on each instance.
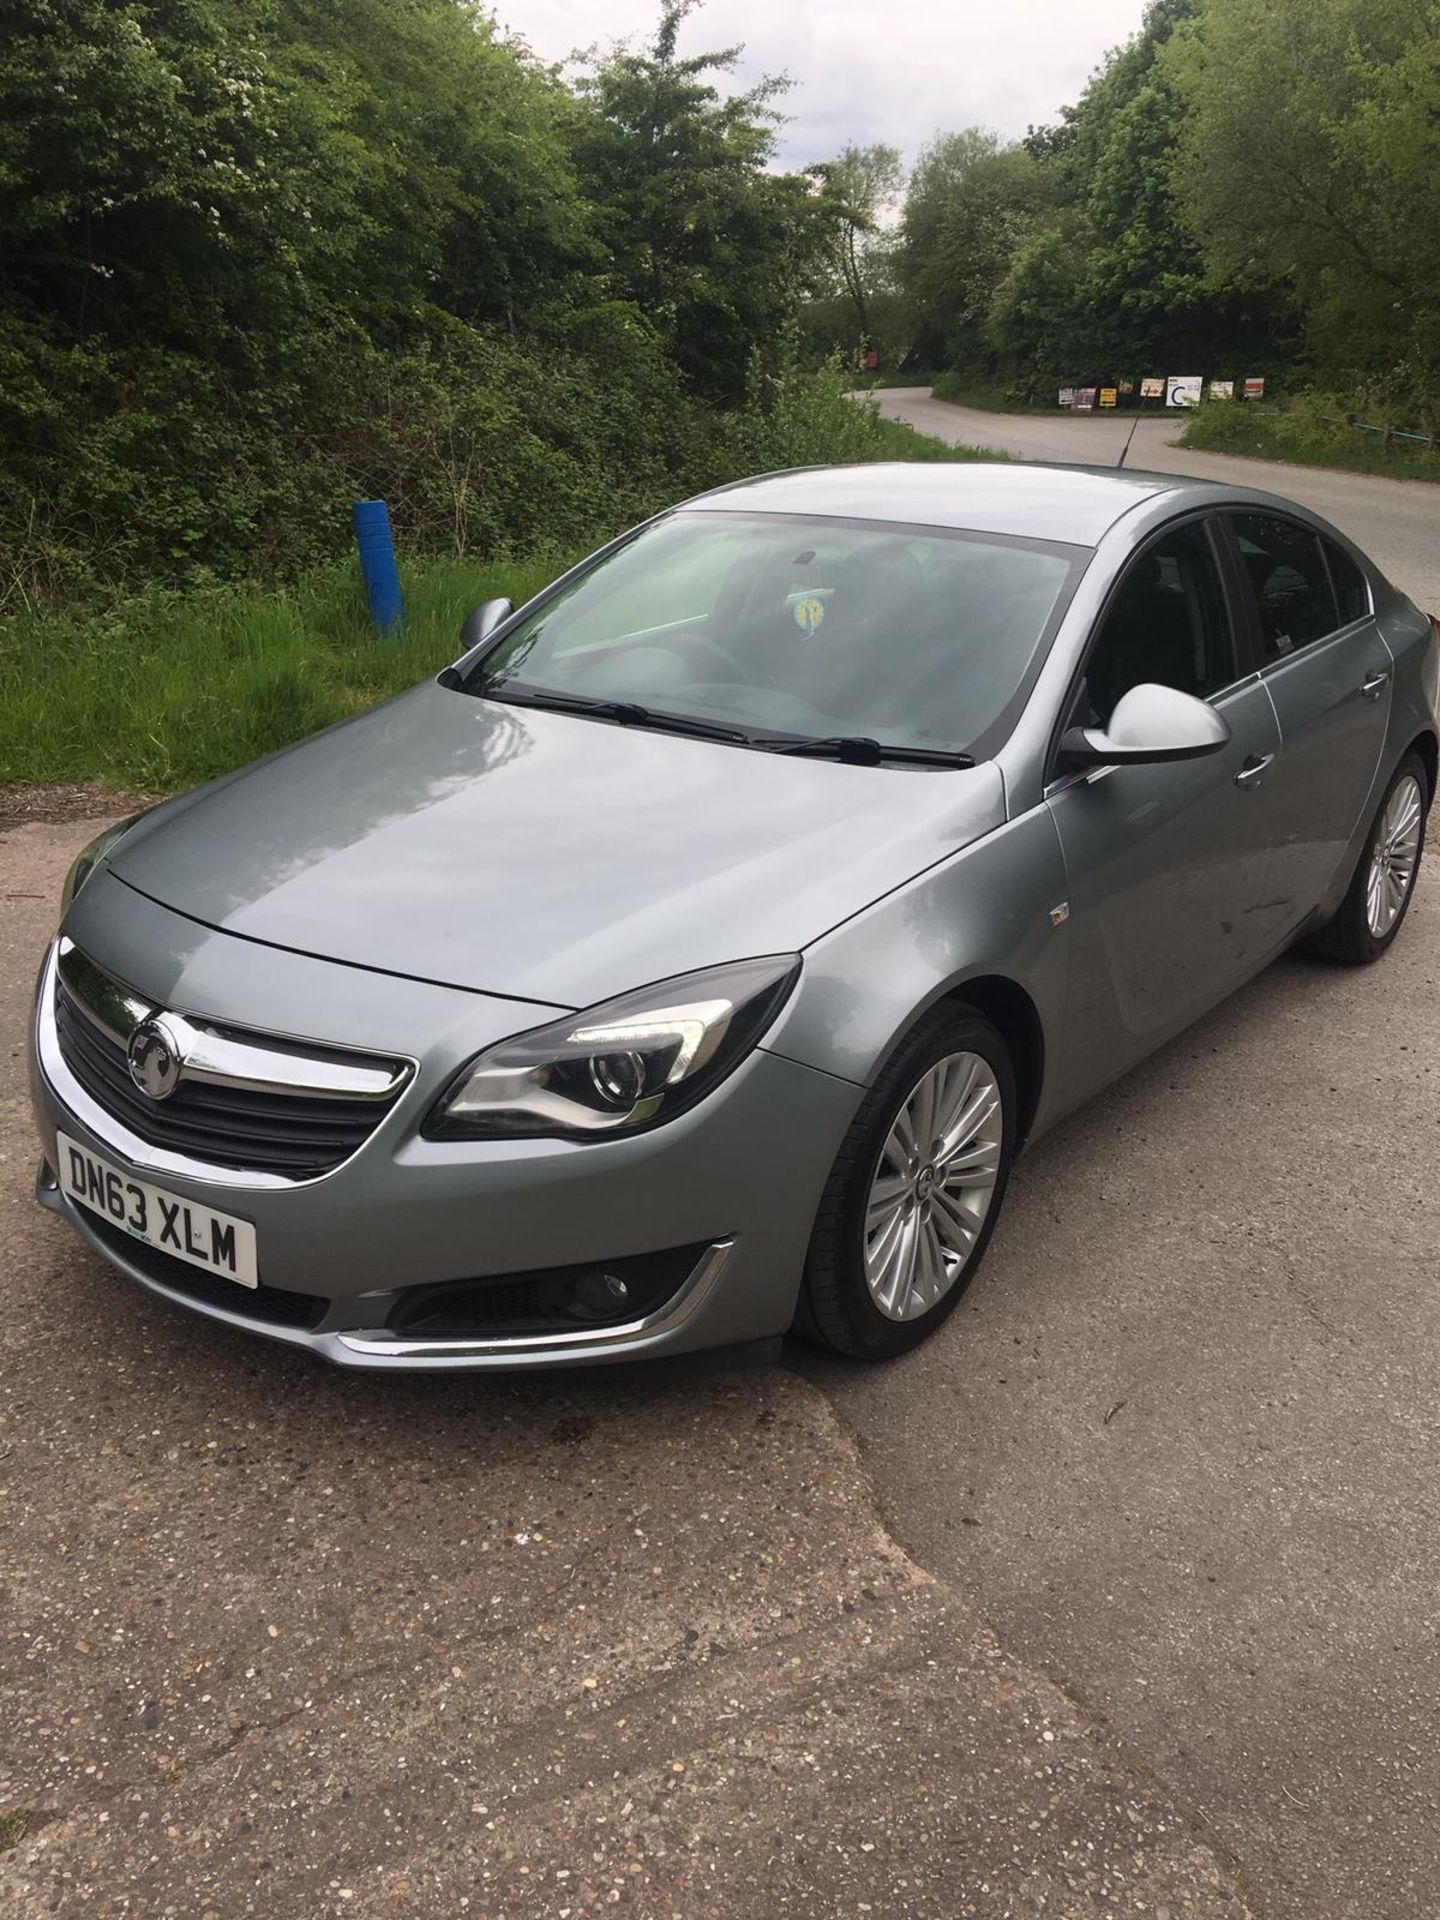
(1430, 441)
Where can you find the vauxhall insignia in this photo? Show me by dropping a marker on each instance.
(154, 1059)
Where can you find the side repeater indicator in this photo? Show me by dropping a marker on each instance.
(1059, 915)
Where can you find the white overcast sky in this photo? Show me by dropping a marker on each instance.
(865, 70)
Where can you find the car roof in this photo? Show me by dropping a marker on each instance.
(1077, 505)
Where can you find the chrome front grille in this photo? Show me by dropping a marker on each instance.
(244, 1101)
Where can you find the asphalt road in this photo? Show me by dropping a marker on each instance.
(1396, 521)
(1179, 1441)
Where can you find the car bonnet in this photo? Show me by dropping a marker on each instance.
(544, 855)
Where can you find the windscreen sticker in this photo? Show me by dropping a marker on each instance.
(808, 613)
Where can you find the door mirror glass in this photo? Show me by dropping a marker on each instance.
(1150, 724)
(481, 622)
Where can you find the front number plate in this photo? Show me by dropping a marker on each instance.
(218, 1242)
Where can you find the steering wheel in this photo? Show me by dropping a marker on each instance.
(696, 641)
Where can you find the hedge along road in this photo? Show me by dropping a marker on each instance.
(1397, 522)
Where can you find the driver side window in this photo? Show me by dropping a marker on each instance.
(1168, 624)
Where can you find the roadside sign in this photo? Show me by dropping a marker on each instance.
(1108, 396)
(1254, 389)
(1152, 387)
(1085, 399)
(1067, 396)
(1183, 389)
(1221, 389)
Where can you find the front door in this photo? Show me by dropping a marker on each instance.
(1168, 865)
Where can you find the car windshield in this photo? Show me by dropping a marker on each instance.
(787, 627)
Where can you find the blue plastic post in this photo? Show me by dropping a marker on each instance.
(377, 564)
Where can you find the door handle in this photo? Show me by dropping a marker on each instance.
(1255, 765)
(1375, 684)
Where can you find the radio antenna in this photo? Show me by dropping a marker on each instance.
(1128, 438)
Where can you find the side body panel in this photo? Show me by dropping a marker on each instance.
(987, 911)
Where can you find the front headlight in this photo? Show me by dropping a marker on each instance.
(89, 858)
(622, 1066)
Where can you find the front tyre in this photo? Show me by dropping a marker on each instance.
(1379, 895)
(915, 1190)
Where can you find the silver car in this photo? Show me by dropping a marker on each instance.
(693, 957)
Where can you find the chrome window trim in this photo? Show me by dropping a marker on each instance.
(1324, 540)
(112, 1133)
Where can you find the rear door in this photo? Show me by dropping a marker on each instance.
(1328, 673)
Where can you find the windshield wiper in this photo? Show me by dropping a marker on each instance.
(625, 713)
(859, 751)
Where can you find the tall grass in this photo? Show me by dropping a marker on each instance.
(169, 689)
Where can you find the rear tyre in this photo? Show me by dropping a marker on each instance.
(1379, 894)
(915, 1191)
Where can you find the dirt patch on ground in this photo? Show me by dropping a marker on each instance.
(22, 803)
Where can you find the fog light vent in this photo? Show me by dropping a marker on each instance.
(600, 1296)
(558, 1300)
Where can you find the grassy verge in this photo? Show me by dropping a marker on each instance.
(1302, 437)
(168, 689)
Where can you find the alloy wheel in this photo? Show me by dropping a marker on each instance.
(1393, 858)
(933, 1185)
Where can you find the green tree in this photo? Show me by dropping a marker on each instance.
(1308, 164)
(974, 202)
(856, 192)
(204, 175)
(711, 246)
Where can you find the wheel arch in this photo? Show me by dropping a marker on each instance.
(1009, 1008)
(1426, 746)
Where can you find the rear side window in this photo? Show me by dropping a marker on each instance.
(1290, 580)
(1352, 590)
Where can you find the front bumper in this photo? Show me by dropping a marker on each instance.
(738, 1177)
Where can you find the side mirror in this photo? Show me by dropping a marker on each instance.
(1150, 724)
(481, 622)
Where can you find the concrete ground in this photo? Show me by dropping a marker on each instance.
(287, 1642)
(1397, 522)
(1179, 1441)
